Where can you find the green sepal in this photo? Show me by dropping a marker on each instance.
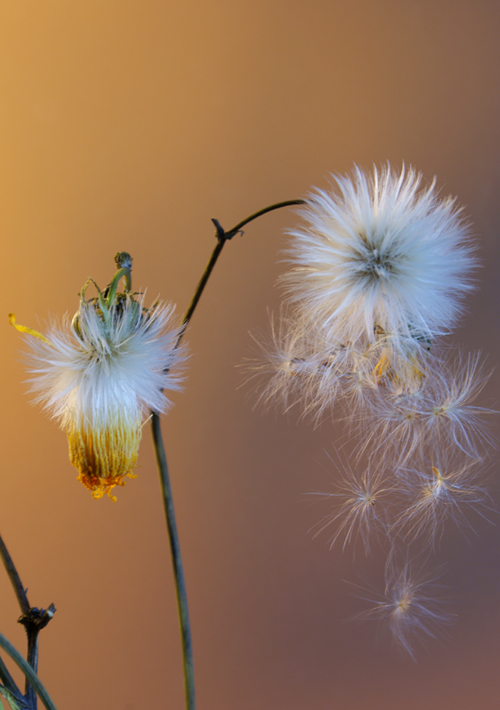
(109, 298)
(103, 305)
(124, 273)
(103, 302)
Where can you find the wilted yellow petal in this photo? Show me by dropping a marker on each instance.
(25, 329)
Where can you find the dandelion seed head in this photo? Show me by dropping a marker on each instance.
(380, 252)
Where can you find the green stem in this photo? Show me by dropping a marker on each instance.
(28, 671)
(123, 273)
(33, 620)
(31, 633)
(180, 586)
(11, 570)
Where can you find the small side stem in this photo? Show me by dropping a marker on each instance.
(264, 210)
(33, 620)
(11, 570)
(180, 586)
(22, 598)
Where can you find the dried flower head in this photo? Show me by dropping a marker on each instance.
(102, 374)
(380, 258)
(379, 270)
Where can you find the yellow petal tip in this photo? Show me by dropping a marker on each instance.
(29, 331)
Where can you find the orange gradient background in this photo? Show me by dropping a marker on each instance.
(127, 125)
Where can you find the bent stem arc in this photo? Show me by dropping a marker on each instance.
(187, 652)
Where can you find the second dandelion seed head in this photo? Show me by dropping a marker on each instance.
(380, 253)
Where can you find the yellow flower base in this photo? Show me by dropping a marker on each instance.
(104, 456)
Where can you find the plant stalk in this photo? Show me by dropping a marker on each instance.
(11, 570)
(28, 672)
(180, 586)
(33, 620)
(222, 237)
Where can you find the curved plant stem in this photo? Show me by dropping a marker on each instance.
(28, 672)
(222, 238)
(187, 651)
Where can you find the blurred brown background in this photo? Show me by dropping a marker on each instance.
(128, 125)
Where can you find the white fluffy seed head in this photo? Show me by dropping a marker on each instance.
(380, 254)
(98, 366)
